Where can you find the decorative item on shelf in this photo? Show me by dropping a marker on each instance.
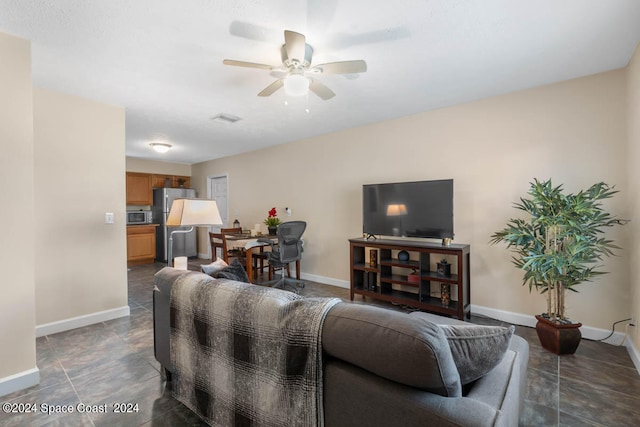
(373, 281)
(236, 223)
(369, 281)
(181, 182)
(413, 277)
(167, 182)
(445, 294)
(373, 258)
(446, 241)
(403, 256)
(272, 221)
(562, 230)
(443, 268)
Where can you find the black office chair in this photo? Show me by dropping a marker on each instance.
(288, 249)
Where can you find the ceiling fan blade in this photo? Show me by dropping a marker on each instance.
(247, 64)
(321, 90)
(344, 67)
(295, 45)
(271, 88)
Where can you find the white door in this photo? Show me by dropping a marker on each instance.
(218, 190)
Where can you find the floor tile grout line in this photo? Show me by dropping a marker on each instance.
(603, 388)
(66, 374)
(558, 394)
(585, 420)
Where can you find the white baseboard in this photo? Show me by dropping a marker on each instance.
(587, 332)
(80, 321)
(505, 316)
(633, 352)
(19, 381)
(326, 280)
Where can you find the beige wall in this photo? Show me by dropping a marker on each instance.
(574, 132)
(17, 305)
(152, 166)
(79, 176)
(634, 188)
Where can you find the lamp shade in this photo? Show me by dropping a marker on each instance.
(194, 212)
(396, 209)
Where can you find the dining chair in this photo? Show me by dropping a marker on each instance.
(288, 249)
(233, 252)
(219, 241)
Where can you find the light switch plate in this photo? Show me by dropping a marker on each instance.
(108, 218)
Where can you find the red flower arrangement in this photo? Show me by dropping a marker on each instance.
(272, 220)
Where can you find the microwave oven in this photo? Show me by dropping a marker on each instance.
(139, 217)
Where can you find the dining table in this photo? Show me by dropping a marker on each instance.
(250, 244)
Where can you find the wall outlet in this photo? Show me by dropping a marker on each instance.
(632, 322)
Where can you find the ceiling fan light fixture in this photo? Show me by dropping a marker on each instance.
(296, 85)
(160, 147)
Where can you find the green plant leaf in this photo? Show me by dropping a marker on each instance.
(561, 240)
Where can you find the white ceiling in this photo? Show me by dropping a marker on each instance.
(162, 60)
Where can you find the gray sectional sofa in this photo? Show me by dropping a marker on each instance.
(385, 368)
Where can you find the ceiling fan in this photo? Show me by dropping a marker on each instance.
(297, 73)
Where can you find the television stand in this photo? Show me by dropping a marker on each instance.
(412, 282)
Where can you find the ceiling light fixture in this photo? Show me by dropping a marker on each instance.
(296, 84)
(160, 147)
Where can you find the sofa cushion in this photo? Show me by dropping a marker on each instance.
(214, 267)
(477, 349)
(393, 345)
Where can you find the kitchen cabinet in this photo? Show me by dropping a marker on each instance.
(181, 181)
(141, 244)
(139, 189)
(158, 180)
(175, 181)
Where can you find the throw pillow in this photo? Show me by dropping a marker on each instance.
(477, 349)
(214, 267)
(235, 271)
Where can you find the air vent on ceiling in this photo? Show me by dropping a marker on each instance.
(225, 118)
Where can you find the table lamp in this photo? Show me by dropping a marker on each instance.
(398, 210)
(193, 212)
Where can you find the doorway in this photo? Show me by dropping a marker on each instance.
(218, 190)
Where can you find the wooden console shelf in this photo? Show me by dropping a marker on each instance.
(409, 282)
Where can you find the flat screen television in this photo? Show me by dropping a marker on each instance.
(409, 209)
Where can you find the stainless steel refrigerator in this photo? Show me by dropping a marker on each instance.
(184, 244)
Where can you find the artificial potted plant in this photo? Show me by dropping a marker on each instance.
(558, 247)
(272, 221)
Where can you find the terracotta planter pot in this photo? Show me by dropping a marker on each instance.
(558, 338)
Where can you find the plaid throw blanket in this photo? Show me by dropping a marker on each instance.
(246, 355)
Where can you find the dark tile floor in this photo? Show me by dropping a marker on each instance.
(113, 363)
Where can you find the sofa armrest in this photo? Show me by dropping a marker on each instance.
(163, 280)
(353, 396)
(505, 386)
